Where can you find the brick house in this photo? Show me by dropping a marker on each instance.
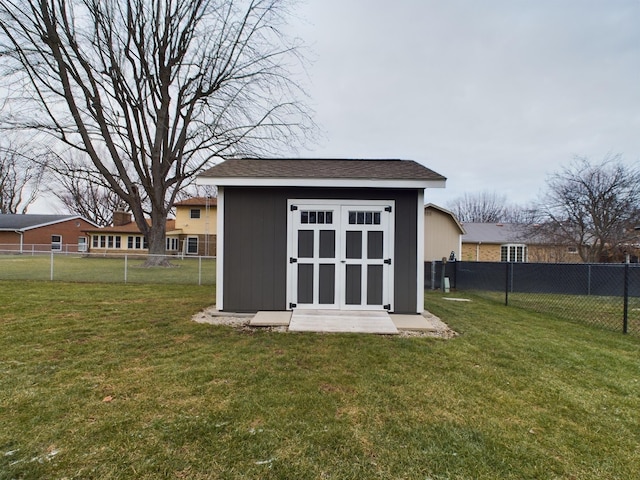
(122, 237)
(511, 242)
(37, 233)
(192, 232)
(195, 226)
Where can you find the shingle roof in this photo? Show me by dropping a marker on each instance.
(131, 227)
(294, 168)
(198, 201)
(492, 232)
(10, 221)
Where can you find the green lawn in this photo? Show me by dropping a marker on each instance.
(604, 311)
(115, 381)
(78, 268)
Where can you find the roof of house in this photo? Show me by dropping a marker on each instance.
(294, 171)
(198, 202)
(493, 232)
(130, 227)
(446, 212)
(22, 222)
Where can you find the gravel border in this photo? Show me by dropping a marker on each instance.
(239, 321)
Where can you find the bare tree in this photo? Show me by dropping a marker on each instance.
(483, 207)
(21, 175)
(592, 207)
(162, 86)
(94, 201)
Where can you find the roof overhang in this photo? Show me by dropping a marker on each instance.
(319, 182)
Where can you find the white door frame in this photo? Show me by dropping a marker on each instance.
(339, 225)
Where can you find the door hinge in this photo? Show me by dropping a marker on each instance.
(293, 260)
(387, 209)
(387, 261)
(293, 208)
(387, 306)
(293, 305)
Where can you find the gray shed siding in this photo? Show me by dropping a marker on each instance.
(255, 244)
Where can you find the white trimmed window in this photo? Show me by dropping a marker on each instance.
(172, 244)
(192, 245)
(513, 252)
(195, 213)
(136, 242)
(82, 244)
(56, 243)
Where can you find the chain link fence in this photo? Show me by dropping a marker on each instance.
(607, 295)
(104, 268)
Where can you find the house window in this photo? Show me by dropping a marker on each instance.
(572, 249)
(110, 241)
(195, 213)
(56, 243)
(513, 253)
(172, 244)
(135, 242)
(82, 244)
(95, 241)
(103, 241)
(192, 245)
(118, 241)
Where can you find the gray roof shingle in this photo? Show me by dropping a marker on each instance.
(24, 222)
(493, 232)
(293, 168)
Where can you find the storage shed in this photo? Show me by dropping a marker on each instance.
(320, 234)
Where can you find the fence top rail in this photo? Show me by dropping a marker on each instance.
(170, 256)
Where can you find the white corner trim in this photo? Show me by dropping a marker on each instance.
(220, 250)
(420, 261)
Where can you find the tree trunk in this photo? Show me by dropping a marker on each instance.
(156, 237)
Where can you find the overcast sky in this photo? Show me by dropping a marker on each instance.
(492, 94)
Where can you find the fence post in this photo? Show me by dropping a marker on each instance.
(199, 270)
(625, 313)
(433, 274)
(51, 267)
(455, 274)
(507, 279)
(125, 267)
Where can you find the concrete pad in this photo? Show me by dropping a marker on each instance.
(425, 322)
(270, 319)
(341, 321)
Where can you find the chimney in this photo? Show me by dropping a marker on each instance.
(120, 217)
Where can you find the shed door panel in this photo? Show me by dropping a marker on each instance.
(366, 256)
(314, 257)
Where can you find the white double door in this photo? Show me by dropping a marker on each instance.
(340, 254)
